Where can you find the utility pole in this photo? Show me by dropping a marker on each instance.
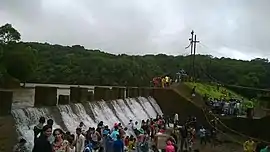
(191, 51)
(194, 55)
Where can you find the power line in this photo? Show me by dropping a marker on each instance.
(214, 79)
(208, 74)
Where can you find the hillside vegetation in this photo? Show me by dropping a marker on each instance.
(213, 91)
(46, 63)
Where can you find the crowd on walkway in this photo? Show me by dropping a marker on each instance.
(163, 82)
(145, 136)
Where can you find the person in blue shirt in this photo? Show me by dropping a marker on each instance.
(105, 132)
(108, 145)
(118, 145)
(266, 149)
(115, 133)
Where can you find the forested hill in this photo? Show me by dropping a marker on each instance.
(45, 63)
(76, 65)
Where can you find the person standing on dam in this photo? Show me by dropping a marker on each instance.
(82, 126)
(170, 147)
(193, 92)
(59, 144)
(118, 145)
(79, 141)
(38, 128)
(43, 144)
(50, 123)
(176, 119)
(249, 145)
(183, 137)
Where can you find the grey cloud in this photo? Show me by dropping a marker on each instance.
(237, 29)
(21, 10)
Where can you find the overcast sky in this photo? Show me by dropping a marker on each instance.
(230, 28)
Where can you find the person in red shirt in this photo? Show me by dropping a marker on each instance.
(126, 141)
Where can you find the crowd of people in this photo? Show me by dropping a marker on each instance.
(226, 107)
(188, 132)
(163, 82)
(144, 136)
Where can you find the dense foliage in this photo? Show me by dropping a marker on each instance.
(77, 65)
(17, 60)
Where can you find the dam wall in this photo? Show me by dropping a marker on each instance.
(5, 102)
(47, 100)
(256, 128)
(171, 102)
(8, 134)
(68, 117)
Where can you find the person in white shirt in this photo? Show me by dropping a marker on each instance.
(176, 118)
(238, 108)
(202, 133)
(136, 126)
(82, 126)
(226, 108)
(71, 146)
(80, 140)
(131, 124)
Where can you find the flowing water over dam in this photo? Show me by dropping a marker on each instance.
(68, 117)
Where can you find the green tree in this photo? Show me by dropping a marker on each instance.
(19, 61)
(9, 34)
(77, 65)
(73, 65)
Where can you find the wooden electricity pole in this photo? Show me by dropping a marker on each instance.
(194, 55)
(192, 46)
(191, 52)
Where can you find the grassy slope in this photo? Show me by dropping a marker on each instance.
(212, 90)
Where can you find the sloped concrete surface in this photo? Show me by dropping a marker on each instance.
(8, 134)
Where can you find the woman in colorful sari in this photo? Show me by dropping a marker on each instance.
(59, 144)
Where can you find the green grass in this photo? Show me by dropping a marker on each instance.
(213, 92)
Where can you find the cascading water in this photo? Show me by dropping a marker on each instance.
(27, 118)
(109, 112)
